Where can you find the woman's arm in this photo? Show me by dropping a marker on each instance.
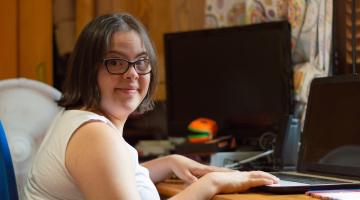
(206, 181)
(100, 163)
(159, 168)
(224, 182)
(184, 168)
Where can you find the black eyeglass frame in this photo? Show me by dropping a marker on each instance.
(129, 64)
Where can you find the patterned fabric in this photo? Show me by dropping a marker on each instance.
(220, 13)
(311, 23)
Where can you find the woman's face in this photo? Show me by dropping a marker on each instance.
(122, 94)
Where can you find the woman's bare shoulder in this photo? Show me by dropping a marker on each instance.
(97, 154)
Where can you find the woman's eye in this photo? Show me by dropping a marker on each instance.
(113, 62)
(140, 62)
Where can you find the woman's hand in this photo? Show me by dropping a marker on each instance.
(189, 170)
(224, 182)
(236, 181)
(184, 168)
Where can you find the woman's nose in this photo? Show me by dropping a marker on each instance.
(131, 73)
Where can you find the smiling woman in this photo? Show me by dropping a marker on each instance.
(113, 73)
(98, 43)
(122, 88)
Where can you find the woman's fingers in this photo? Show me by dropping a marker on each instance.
(261, 174)
(256, 182)
(241, 181)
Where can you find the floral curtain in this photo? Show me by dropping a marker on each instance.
(311, 24)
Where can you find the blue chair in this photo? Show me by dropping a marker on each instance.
(8, 188)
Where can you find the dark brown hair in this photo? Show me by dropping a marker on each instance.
(81, 88)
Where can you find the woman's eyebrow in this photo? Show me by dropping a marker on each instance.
(120, 54)
(117, 53)
(142, 54)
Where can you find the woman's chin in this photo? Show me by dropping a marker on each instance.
(119, 111)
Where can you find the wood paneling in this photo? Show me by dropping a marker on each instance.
(103, 6)
(85, 12)
(35, 40)
(8, 39)
(26, 34)
(348, 31)
(343, 36)
(187, 15)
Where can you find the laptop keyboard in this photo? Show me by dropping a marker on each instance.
(307, 180)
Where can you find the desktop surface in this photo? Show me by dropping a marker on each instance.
(170, 188)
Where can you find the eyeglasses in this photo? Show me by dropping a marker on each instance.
(121, 66)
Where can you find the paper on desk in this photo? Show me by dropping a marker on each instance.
(350, 194)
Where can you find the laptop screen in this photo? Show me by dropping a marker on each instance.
(330, 142)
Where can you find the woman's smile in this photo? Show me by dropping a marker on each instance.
(128, 90)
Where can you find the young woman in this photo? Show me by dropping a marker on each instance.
(112, 73)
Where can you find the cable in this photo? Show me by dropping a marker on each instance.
(247, 160)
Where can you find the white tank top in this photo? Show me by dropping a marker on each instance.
(48, 178)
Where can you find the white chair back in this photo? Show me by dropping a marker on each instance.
(27, 108)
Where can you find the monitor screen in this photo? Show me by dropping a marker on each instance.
(240, 77)
(330, 141)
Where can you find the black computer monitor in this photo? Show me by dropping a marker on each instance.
(239, 76)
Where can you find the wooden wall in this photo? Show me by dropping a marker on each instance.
(8, 39)
(26, 30)
(26, 36)
(35, 40)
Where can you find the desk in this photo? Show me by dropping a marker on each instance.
(168, 189)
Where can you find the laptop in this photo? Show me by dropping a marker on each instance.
(329, 152)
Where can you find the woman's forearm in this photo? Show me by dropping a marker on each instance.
(159, 168)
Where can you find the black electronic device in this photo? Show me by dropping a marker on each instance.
(330, 141)
(286, 145)
(241, 77)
